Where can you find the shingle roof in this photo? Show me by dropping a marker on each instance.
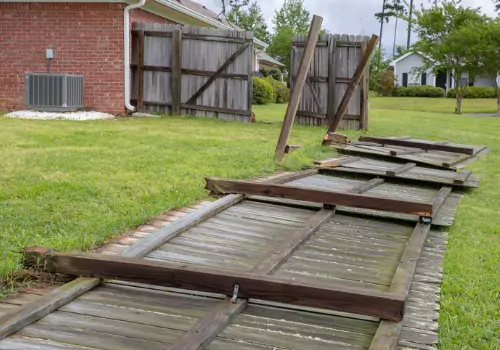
(262, 56)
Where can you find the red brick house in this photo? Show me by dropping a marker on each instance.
(87, 38)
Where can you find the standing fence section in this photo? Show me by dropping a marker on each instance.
(191, 70)
(335, 60)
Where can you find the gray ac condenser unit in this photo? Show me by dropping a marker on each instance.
(54, 92)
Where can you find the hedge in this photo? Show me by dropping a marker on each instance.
(281, 94)
(271, 72)
(418, 91)
(262, 91)
(475, 92)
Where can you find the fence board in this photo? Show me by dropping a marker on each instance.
(335, 60)
(203, 52)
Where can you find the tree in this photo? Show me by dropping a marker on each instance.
(490, 54)
(291, 19)
(497, 4)
(390, 8)
(449, 39)
(378, 66)
(249, 18)
(410, 19)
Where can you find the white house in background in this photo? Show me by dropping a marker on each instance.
(407, 74)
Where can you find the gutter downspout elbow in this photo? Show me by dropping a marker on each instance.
(126, 51)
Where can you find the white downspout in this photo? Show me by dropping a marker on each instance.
(126, 51)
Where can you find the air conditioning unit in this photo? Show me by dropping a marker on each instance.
(54, 92)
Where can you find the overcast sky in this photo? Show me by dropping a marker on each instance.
(353, 16)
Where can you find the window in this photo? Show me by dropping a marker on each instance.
(405, 79)
(423, 79)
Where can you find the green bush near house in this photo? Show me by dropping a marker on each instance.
(281, 94)
(262, 91)
(275, 73)
(418, 91)
(475, 92)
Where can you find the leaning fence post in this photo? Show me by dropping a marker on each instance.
(296, 94)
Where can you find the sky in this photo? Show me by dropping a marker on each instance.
(353, 16)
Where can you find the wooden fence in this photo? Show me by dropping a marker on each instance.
(191, 70)
(335, 60)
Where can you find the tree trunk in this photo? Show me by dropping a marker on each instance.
(458, 108)
(395, 35)
(408, 40)
(381, 27)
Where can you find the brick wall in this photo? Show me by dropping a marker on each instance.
(86, 38)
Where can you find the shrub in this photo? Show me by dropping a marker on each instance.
(385, 83)
(262, 91)
(281, 94)
(418, 91)
(475, 92)
(275, 73)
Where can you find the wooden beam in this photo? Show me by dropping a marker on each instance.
(335, 162)
(319, 196)
(356, 79)
(298, 86)
(366, 186)
(405, 152)
(140, 72)
(429, 146)
(222, 68)
(336, 137)
(462, 177)
(387, 334)
(363, 94)
(223, 281)
(272, 261)
(291, 148)
(176, 71)
(439, 199)
(42, 306)
(207, 328)
(400, 169)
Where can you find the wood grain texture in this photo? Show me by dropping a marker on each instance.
(319, 196)
(462, 177)
(272, 261)
(44, 305)
(176, 71)
(418, 144)
(297, 88)
(207, 329)
(361, 188)
(354, 300)
(398, 170)
(439, 199)
(388, 332)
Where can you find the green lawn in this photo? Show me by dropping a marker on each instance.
(73, 185)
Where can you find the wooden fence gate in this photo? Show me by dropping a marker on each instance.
(335, 60)
(192, 70)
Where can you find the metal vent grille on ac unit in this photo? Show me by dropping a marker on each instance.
(54, 92)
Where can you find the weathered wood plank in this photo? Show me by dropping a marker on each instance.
(361, 188)
(462, 177)
(207, 329)
(319, 196)
(176, 71)
(400, 169)
(272, 261)
(334, 162)
(298, 86)
(354, 300)
(140, 67)
(439, 199)
(388, 332)
(418, 144)
(31, 312)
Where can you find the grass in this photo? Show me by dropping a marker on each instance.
(73, 185)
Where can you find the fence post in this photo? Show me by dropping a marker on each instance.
(296, 94)
(332, 79)
(140, 71)
(176, 71)
(363, 93)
